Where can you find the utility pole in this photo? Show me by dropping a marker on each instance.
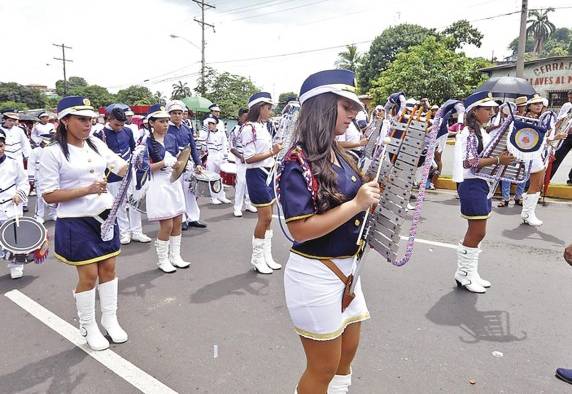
(202, 22)
(64, 60)
(522, 40)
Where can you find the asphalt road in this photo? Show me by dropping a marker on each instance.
(220, 328)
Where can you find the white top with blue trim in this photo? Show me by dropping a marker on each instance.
(84, 167)
(255, 142)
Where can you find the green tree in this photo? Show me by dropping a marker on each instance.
(135, 95)
(430, 69)
(30, 97)
(12, 105)
(462, 32)
(559, 43)
(210, 75)
(349, 59)
(385, 47)
(540, 28)
(73, 82)
(180, 90)
(229, 91)
(283, 99)
(98, 95)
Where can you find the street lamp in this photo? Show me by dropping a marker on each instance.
(185, 39)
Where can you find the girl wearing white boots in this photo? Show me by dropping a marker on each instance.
(165, 200)
(259, 157)
(73, 176)
(473, 192)
(324, 199)
(535, 107)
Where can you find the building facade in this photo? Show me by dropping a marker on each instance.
(551, 77)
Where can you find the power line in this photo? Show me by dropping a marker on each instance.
(280, 10)
(254, 6)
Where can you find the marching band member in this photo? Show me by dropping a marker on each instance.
(217, 149)
(473, 192)
(324, 199)
(215, 112)
(120, 140)
(34, 172)
(14, 189)
(562, 152)
(184, 137)
(137, 133)
(42, 128)
(73, 176)
(259, 156)
(534, 108)
(165, 200)
(240, 190)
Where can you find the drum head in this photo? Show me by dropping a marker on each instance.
(182, 160)
(229, 168)
(216, 186)
(25, 238)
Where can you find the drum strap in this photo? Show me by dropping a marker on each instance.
(347, 297)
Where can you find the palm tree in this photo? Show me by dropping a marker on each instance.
(349, 59)
(180, 90)
(540, 28)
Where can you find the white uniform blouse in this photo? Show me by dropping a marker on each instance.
(84, 167)
(255, 142)
(17, 143)
(459, 172)
(13, 180)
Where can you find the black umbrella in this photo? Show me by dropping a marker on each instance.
(507, 87)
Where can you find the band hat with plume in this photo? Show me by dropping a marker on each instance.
(157, 111)
(339, 82)
(75, 105)
(260, 97)
(479, 99)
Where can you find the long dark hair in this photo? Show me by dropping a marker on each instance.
(254, 112)
(156, 147)
(316, 133)
(61, 138)
(475, 127)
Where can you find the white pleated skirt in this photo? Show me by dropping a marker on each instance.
(164, 200)
(314, 298)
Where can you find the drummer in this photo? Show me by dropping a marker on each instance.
(14, 189)
(184, 136)
(73, 176)
(217, 150)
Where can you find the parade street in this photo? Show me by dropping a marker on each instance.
(220, 328)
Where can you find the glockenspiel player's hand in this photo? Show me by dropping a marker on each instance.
(506, 158)
(368, 195)
(97, 187)
(16, 199)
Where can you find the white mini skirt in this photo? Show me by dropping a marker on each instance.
(164, 200)
(314, 298)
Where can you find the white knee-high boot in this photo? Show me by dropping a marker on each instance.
(257, 259)
(485, 283)
(528, 214)
(108, 303)
(175, 252)
(268, 251)
(340, 384)
(85, 303)
(162, 248)
(465, 275)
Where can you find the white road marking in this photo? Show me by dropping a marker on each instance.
(117, 364)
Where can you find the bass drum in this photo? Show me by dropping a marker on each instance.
(24, 240)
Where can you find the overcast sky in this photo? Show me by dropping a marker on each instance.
(120, 43)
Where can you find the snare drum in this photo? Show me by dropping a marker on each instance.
(201, 185)
(24, 240)
(228, 174)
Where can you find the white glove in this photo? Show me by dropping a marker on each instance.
(169, 161)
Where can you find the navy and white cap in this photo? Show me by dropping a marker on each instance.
(2, 135)
(43, 113)
(479, 99)
(157, 111)
(176, 105)
(210, 119)
(214, 107)
(339, 82)
(75, 105)
(129, 112)
(260, 97)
